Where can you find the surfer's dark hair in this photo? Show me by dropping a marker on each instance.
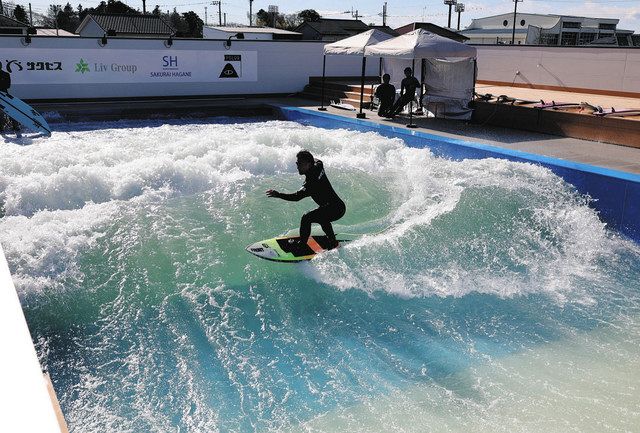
(305, 156)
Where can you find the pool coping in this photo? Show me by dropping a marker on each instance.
(615, 194)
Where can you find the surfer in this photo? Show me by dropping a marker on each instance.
(408, 88)
(5, 83)
(317, 186)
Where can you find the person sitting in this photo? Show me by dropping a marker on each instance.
(386, 94)
(408, 89)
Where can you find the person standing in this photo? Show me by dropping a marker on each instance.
(317, 186)
(386, 93)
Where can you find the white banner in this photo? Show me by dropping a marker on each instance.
(104, 65)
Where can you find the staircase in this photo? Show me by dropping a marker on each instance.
(346, 89)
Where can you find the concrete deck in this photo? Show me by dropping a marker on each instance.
(588, 152)
(605, 101)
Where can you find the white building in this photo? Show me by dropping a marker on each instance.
(250, 33)
(537, 29)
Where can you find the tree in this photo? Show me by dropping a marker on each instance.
(263, 18)
(156, 11)
(289, 21)
(193, 24)
(109, 7)
(308, 15)
(175, 20)
(20, 14)
(67, 18)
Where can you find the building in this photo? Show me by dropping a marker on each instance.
(432, 28)
(142, 26)
(41, 31)
(330, 30)
(9, 26)
(537, 29)
(250, 33)
(385, 29)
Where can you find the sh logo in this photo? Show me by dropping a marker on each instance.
(169, 62)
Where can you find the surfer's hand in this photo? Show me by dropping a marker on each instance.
(273, 193)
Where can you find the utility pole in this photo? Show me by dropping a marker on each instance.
(353, 14)
(450, 3)
(219, 3)
(225, 19)
(250, 13)
(459, 9)
(30, 16)
(273, 13)
(384, 14)
(205, 15)
(515, 10)
(144, 7)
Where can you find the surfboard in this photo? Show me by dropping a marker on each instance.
(281, 249)
(23, 113)
(343, 106)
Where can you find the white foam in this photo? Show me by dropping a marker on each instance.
(59, 194)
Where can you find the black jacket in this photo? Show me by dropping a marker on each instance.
(409, 85)
(316, 186)
(386, 92)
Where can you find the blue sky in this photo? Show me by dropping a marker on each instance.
(400, 11)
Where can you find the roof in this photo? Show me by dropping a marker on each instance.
(386, 29)
(508, 14)
(130, 24)
(5, 21)
(420, 44)
(432, 28)
(356, 44)
(506, 30)
(53, 32)
(268, 30)
(330, 26)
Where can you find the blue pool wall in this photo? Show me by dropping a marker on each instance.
(615, 194)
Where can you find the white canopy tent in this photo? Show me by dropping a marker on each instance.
(449, 66)
(353, 46)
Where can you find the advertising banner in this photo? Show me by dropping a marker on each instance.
(104, 65)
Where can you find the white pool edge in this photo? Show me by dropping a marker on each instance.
(24, 399)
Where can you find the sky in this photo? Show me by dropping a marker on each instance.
(399, 11)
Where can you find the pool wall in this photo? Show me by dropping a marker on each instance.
(615, 194)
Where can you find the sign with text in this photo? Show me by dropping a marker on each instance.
(103, 65)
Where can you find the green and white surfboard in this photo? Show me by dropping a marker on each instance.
(285, 249)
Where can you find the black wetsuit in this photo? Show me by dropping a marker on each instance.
(386, 93)
(409, 86)
(330, 206)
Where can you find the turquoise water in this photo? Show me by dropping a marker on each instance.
(487, 295)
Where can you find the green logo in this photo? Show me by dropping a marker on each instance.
(82, 67)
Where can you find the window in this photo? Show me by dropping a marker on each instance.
(522, 22)
(623, 40)
(604, 26)
(570, 25)
(586, 38)
(569, 38)
(548, 39)
(505, 23)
